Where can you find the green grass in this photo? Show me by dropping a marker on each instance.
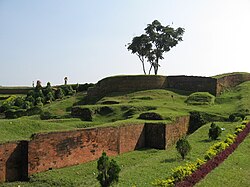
(138, 168)
(234, 171)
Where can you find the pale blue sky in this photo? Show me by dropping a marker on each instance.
(85, 40)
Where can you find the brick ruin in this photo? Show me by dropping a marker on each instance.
(46, 151)
(191, 84)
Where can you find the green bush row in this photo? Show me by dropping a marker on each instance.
(181, 172)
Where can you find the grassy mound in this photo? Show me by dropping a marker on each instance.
(200, 98)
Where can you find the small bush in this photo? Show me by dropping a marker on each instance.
(12, 113)
(215, 149)
(59, 94)
(214, 131)
(108, 171)
(180, 172)
(239, 128)
(183, 147)
(39, 102)
(236, 117)
(34, 111)
(47, 115)
(230, 139)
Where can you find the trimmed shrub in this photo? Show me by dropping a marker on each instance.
(150, 116)
(12, 113)
(214, 131)
(239, 128)
(39, 102)
(236, 117)
(230, 139)
(34, 111)
(200, 98)
(19, 102)
(108, 171)
(215, 149)
(49, 97)
(183, 147)
(59, 93)
(30, 99)
(47, 115)
(179, 173)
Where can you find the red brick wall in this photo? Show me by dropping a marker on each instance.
(132, 137)
(13, 161)
(176, 130)
(61, 149)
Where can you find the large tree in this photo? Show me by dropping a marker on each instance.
(156, 40)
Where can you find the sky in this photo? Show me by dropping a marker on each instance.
(84, 40)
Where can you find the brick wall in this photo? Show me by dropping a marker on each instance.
(13, 161)
(132, 137)
(231, 81)
(118, 84)
(61, 149)
(124, 84)
(176, 130)
(45, 151)
(192, 83)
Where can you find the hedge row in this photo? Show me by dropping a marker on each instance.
(191, 173)
(200, 173)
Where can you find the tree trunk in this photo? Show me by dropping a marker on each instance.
(156, 66)
(150, 69)
(143, 66)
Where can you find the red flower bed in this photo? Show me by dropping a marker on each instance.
(200, 173)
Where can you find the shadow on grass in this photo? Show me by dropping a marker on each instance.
(169, 160)
(209, 140)
(206, 141)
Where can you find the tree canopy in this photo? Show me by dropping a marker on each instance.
(152, 45)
